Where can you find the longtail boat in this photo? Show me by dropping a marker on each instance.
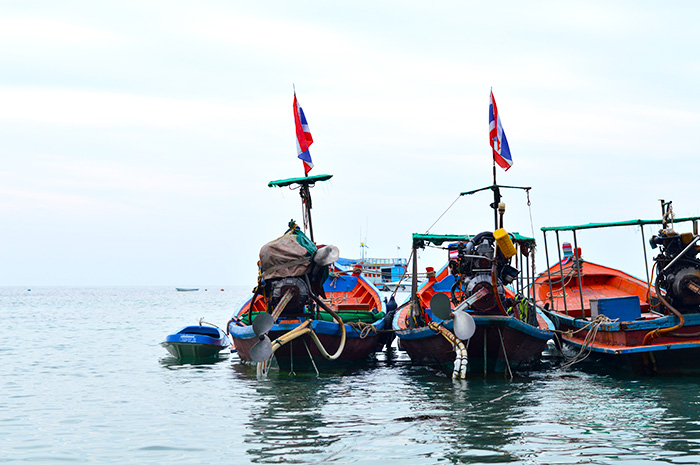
(304, 312)
(472, 316)
(613, 318)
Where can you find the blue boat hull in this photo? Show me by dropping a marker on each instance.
(196, 342)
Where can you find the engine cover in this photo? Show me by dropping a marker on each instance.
(488, 301)
(300, 294)
(685, 286)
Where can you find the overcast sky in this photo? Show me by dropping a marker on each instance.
(138, 137)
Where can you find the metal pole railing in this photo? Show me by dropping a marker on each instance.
(577, 263)
(561, 270)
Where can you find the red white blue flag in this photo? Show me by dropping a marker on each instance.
(304, 139)
(499, 143)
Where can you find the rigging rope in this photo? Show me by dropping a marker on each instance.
(443, 214)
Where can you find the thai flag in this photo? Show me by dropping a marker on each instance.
(304, 139)
(499, 143)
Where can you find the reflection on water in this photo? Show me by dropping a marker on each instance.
(94, 386)
(170, 361)
(287, 421)
(407, 414)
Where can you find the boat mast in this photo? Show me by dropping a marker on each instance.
(305, 185)
(496, 197)
(496, 188)
(305, 194)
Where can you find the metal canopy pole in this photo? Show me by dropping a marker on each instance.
(414, 284)
(578, 272)
(561, 270)
(549, 271)
(644, 248)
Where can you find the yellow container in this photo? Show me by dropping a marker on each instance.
(504, 242)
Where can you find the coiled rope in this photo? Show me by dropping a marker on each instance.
(585, 349)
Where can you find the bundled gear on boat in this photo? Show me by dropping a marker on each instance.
(473, 264)
(293, 264)
(678, 268)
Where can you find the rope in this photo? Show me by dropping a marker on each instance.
(651, 280)
(405, 271)
(529, 208)
(585, 350)
(505, 354)
(443, 214)
(365, 329)
(310, 357)
(201, 320)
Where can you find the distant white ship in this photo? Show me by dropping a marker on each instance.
(387, 274)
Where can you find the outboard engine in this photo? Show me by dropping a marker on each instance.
(294, 264)
(678, 268)
(472, 265)
(277, 288)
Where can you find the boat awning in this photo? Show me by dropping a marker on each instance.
(306, 180)
(616, 223)
(420, 240)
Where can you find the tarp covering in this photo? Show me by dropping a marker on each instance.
(289, 255)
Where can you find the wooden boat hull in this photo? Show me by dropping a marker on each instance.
(299, 353)
(500, 345)
(621, 344)
(618, 344)
(500, 342)
(352, 297)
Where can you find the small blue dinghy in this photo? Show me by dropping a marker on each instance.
(196, 342)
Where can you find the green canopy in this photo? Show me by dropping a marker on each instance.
(419, 240)
(616, 223)
(306, 180)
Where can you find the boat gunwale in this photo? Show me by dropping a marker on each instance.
(622, 350)
(479, 320)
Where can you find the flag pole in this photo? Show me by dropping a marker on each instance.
(305, 193)
(496, 196)
(496, 190)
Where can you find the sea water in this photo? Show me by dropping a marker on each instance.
(83, 379)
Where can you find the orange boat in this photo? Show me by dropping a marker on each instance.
(650, 327)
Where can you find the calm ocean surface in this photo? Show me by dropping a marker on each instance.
(83, 379)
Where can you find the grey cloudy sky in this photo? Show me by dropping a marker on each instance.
(138, 137)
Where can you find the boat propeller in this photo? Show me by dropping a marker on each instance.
(464, 325)
(262, 350)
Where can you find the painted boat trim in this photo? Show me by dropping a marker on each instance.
(328, 328)
(624, 350)
(185, 336)
(480, 320)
